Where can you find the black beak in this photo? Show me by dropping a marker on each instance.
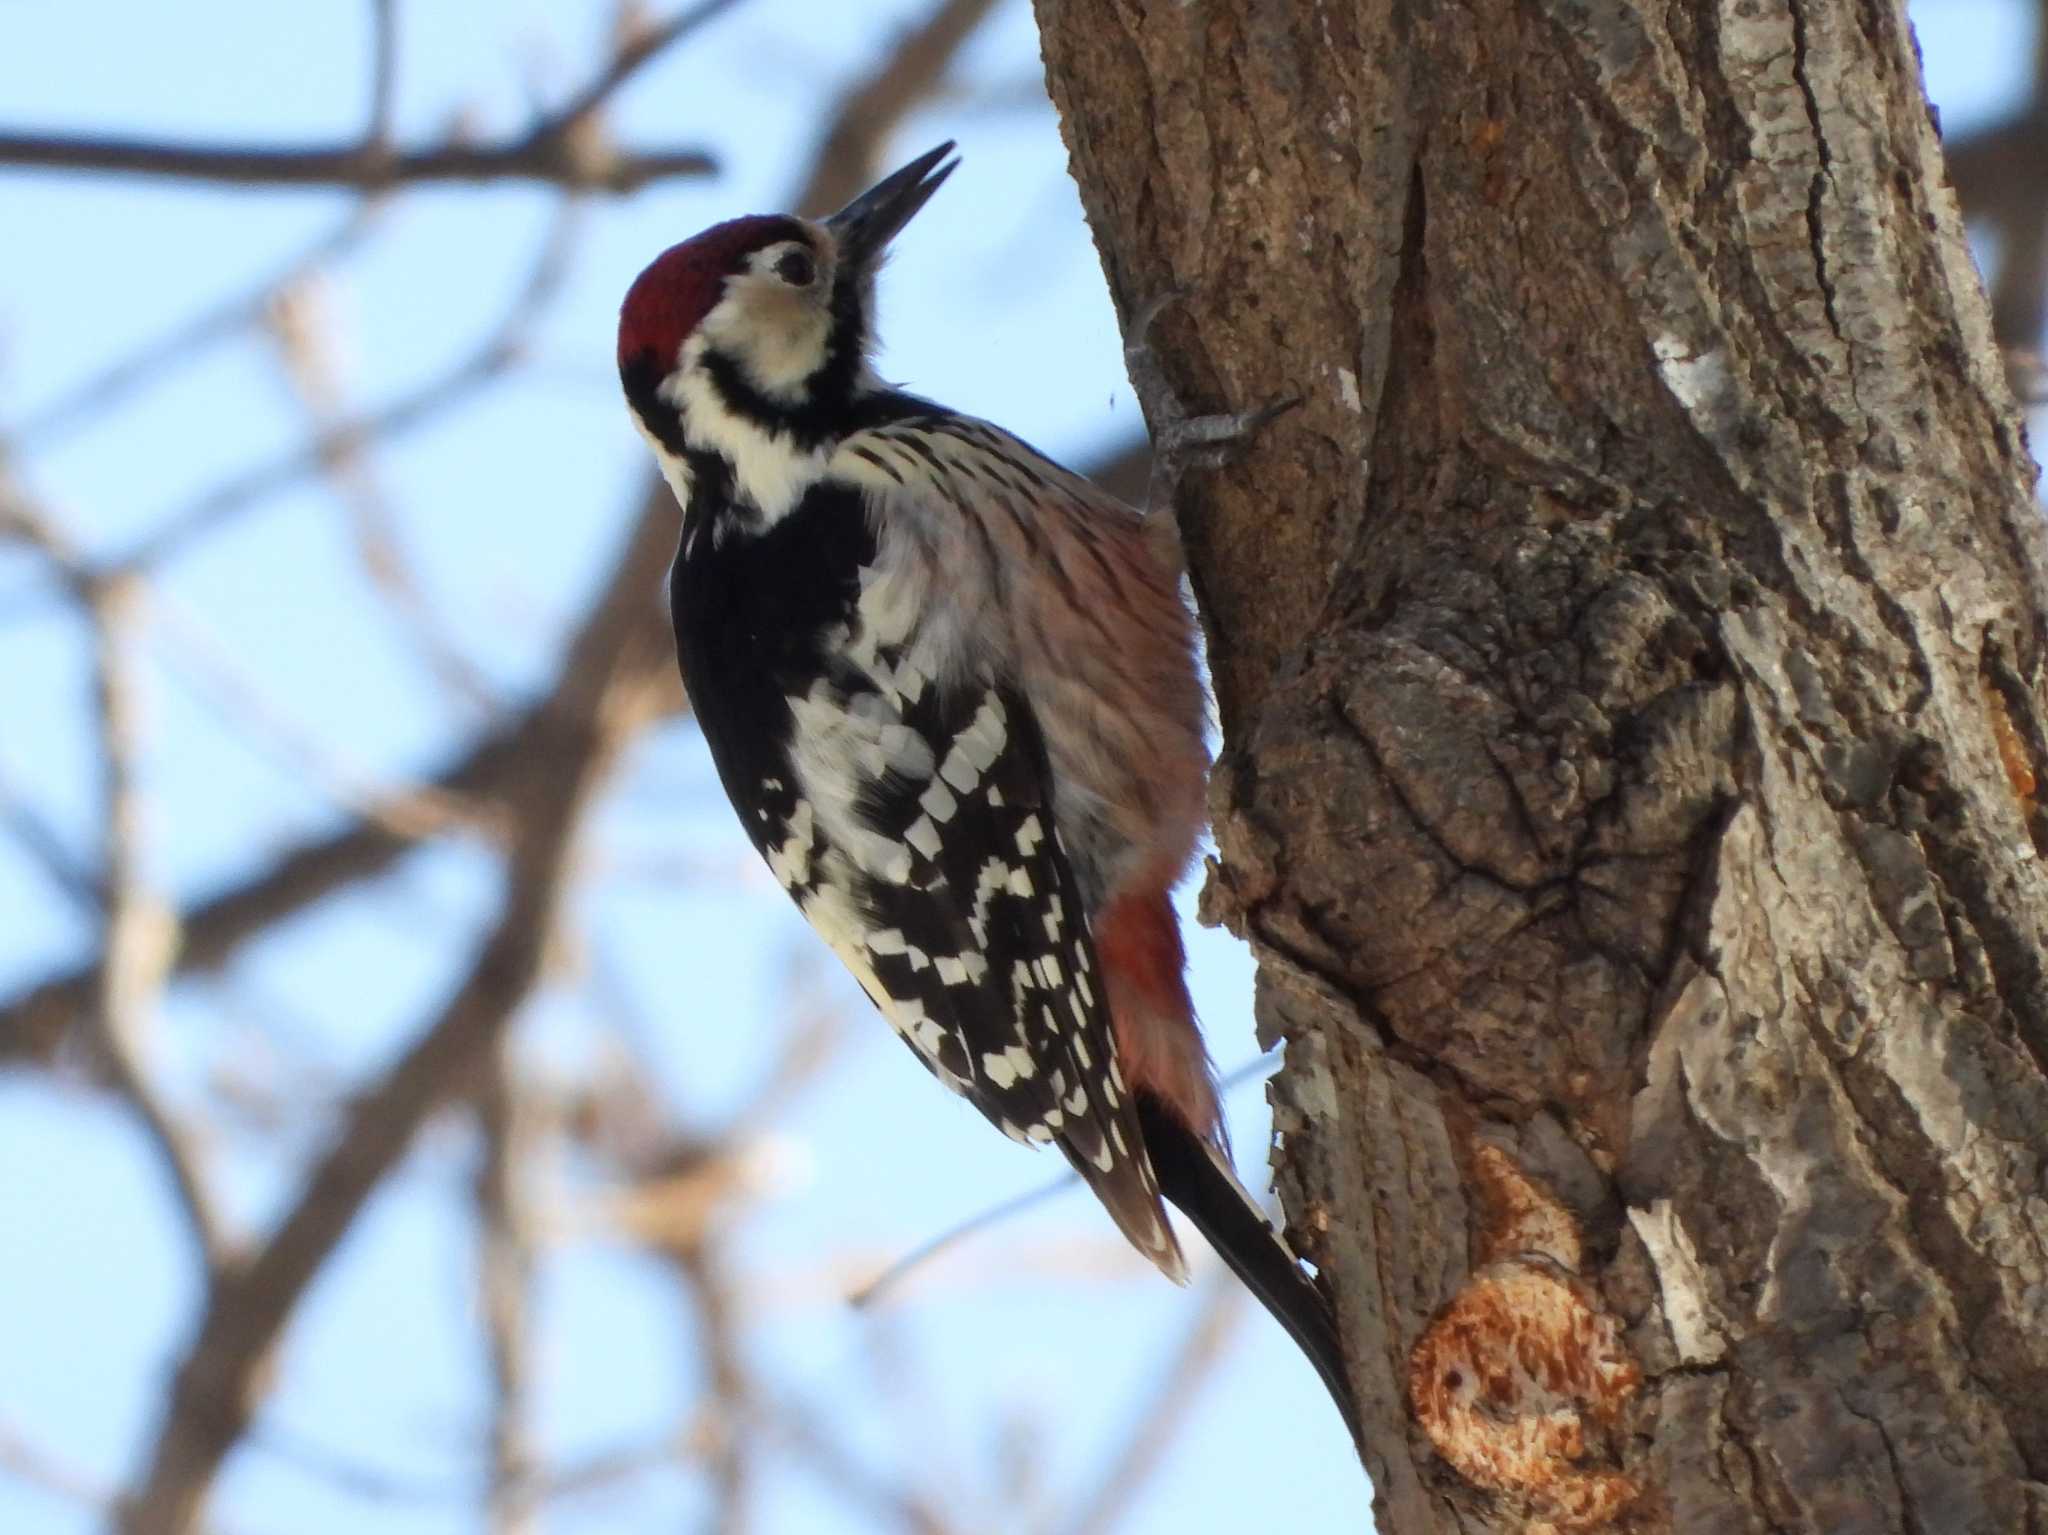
(865, 226)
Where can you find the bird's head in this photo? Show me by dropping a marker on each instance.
(764, 320)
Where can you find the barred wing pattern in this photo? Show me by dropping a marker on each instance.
(962, 921)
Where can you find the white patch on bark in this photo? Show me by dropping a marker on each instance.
(1695, 1327)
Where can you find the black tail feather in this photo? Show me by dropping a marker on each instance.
(1201, 1189)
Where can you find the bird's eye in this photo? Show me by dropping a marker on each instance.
(796, 268)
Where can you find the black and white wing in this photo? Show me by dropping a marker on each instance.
(955, 906)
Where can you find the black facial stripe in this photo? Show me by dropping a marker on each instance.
(712, 492)
(827, 412)
(642, 379)
(810, 421)
(849, 340)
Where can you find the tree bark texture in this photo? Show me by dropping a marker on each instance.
(1630, 660)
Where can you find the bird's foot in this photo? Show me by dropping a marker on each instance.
(1181, 440)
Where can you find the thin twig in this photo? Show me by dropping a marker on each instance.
(1165, 1412)
(298, 323)
(504, 1278)
(383, 70)
(347, 1472)
(875, 106)
(867, 1294)
(731, 1412)
(137, 939)
(632, 55)
(994, 1215)
(186, 341)
(851, 1480)
(42, 842)
(607, 1468)
(138, 932)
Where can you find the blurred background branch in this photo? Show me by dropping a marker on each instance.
(346, 777)
(565, 147)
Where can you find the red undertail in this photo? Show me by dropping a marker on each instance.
(1166, 1068)
(1159, 1047)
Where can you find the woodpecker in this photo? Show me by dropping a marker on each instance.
(951, 690)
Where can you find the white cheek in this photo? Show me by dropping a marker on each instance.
(788, 357)
(776, 333)
(768, 470)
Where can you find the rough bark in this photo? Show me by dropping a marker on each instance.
(1630, 661)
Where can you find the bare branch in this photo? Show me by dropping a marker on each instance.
(560, 149)
(556, 158)
(504, 1277)
(35, 1023)
(605, 695)
(501, 769)
(138, 938)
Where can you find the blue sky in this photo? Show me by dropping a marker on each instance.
(511, 507)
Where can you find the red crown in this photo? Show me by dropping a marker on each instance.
(683, 283)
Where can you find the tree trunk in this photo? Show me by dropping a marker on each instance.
(1630, 663)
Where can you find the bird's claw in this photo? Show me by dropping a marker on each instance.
(1210, 442)
(1182, 441)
